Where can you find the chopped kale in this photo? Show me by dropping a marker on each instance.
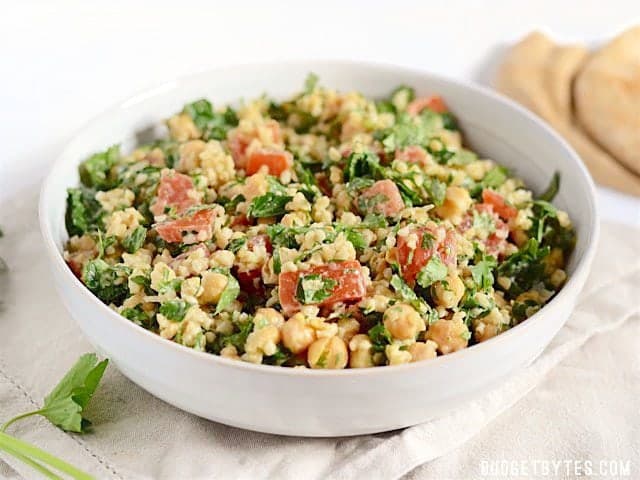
(107, 282)
(95, 172)
(84, 213)
(135, 239)
(213, 125)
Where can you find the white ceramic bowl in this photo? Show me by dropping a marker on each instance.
(312, 402)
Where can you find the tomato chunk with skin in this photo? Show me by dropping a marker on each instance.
(413, 154)
(199, 223)
(350, 285)
(382, 197)
(173, 192)
(439, 241)
(276, 161)
(500, 206)
(432, 102)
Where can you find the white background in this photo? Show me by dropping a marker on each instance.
(63, 62)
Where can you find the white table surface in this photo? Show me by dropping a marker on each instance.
(63, 62)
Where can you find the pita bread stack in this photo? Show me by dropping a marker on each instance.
(593, 100)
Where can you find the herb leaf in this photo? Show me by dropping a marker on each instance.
(552, 190)
(174, 310)
(84, 212)
(229, 294)
(268, 205)
(135, 239)
(64, 405)
(213, 125)
(314, 288)
(94, 171)
(434, 271)
(107, 282)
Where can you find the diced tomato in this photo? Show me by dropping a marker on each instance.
(251, 281)
(413, 154)
(500, 206)
(323, 183)
(173, 192)
(75, 267)
(199, 223)
(239, 141)
(432, 102)
(497, 241)
(440, 242)
(240, 221)
(276, 161)
(350, 284)
(384, 197)
(260, 240)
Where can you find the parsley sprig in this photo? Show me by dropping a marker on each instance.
(64, 407)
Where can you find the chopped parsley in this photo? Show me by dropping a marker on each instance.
(314, 288)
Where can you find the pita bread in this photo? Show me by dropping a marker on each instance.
(607, 98)
(539, 74)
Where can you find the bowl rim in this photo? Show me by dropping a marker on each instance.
(571, 288)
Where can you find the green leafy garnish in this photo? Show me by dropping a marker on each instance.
(137, 315)
(268, 205)
(310, 83)
(314, 288)
(434, 271)
(380, 337)
(237, 339)
(525, 268)
(64, 407)
(236, 244)
(135, 239)
(84, 212)
(552, 190)
(65, 404)
(107, 282)
(359, 165)
(229, 294)
(213, 125)
(482, 272)
(95, 171)
(174, 310)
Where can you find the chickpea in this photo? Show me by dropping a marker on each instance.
(230, 352)
(448, 294)
(361, 355)
(263, 341)
(489, 326)
(347, 328)
(182, 128)
(403, 321)
(297, 334)
(268, 316)
(328, 352)
(450, 335)
(397, 354)
(456, 202)
(423, 351)
(213, 284)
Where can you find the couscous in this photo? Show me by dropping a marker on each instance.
(330, 230)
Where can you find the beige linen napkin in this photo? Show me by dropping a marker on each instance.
(138, 436)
